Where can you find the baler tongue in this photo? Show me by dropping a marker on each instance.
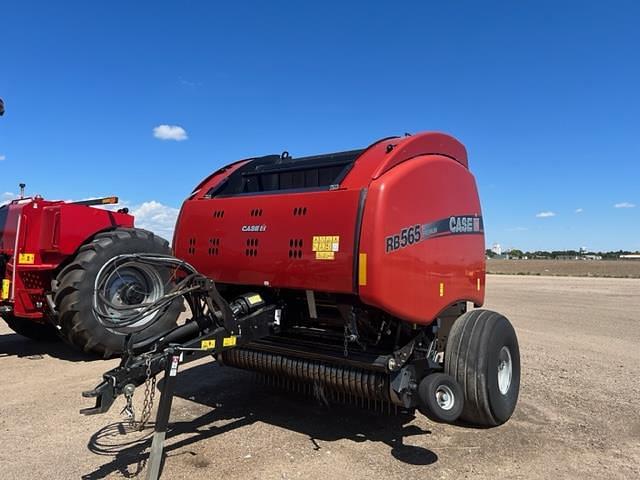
(217, 326)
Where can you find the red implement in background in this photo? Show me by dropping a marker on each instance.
(37, 237)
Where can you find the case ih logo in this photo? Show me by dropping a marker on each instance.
(456, 225)
(254, 228)
(464, 224)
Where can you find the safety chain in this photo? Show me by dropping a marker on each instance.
(346, 340)
(149, 394)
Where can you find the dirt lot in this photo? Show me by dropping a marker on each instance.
(570, 268)
(577, 416)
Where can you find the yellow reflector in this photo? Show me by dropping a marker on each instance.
(4, 294)
(109, 200)
(478, 284)
(26, 259)
(442, 289)
(362, 270)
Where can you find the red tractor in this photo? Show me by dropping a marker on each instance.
(50, 255)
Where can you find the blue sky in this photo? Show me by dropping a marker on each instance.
(545, 95)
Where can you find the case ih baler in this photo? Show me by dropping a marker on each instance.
(348, 273)
(50, 254)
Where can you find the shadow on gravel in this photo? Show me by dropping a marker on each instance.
(238, 401)
(15, 345)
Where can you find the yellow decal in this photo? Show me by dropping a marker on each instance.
(208, 344)
(229, 342)
(5, 289)
(442, 289)
(26, 259)
(327, 243)
(362, 270)
(326, 246)
(325, 256)
(253, 299)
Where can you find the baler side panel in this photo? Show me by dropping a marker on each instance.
(386, 155)
(269, 239)
(419, 280)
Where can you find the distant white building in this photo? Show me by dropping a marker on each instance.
(497, 249)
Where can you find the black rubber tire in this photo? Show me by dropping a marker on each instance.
(41, 332)
(471, 357)
(429, 403)
(75, 290)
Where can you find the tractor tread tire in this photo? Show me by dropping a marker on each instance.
(471, 354)
(75, 284)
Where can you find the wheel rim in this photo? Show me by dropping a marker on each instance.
(505, 370)
(445, 397)
(133, 284)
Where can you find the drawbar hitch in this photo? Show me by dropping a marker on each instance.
(216, 326)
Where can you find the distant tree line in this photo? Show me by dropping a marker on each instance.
(555, 254)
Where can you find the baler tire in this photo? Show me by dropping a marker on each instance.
(433, 405)
(41, 332)
(75, 291)
(481, 344)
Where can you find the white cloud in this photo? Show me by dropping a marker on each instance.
(151, 215)
(579, 210)
(155, 216)
(624, 205)
(189, 83)
(545, 214)
(6, 197)
(3, 157)
(170, 132)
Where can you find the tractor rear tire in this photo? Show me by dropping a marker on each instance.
(41, 332)
(76, 283)
(482, 354)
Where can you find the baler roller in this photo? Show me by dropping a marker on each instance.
(337, 379)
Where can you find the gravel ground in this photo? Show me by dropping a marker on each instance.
(577, 416)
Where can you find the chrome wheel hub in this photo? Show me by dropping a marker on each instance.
(505, 370)
(445, 397)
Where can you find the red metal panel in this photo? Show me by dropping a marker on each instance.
(407, 281)
(385, 154)
(77, 223)
(420, 180)
(219, 245)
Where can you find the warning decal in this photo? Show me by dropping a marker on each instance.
(26, 259)
(326, 246)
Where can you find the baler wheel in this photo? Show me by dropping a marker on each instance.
(131, 284)
(42, 332)
(482, 354)
(441, 398)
